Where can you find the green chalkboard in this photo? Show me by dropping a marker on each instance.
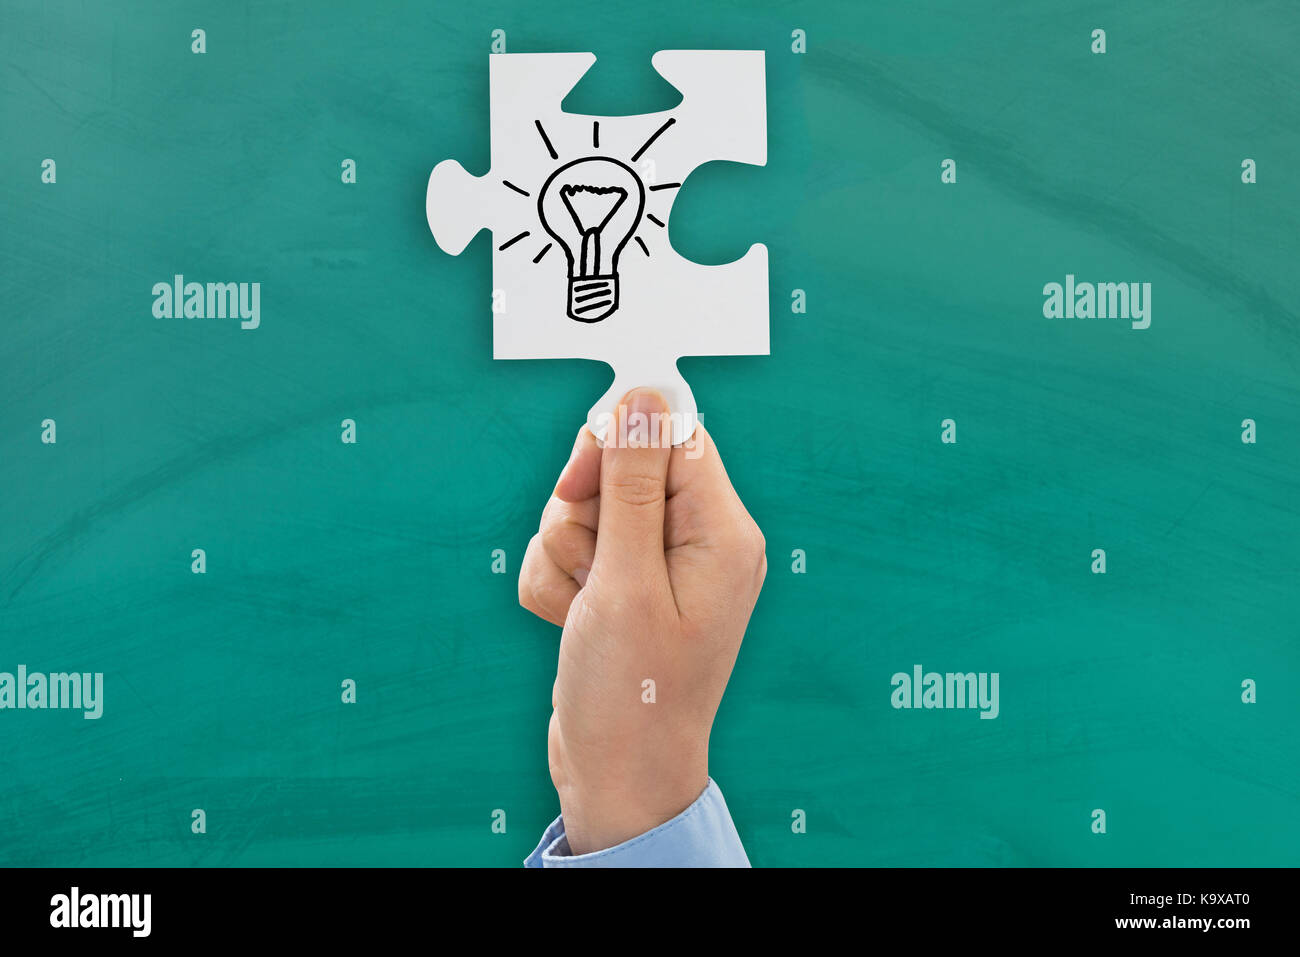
(1128, 692)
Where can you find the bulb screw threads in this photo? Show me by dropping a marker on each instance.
(592, 298)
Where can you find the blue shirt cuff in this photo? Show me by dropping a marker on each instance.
(701, 836)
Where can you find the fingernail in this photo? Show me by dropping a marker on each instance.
(644, 417)
(580, 576)
(645, 401)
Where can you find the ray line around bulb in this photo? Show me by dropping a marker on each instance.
(547, 140)
(653, 136)
(640, 242)
(665, 186)
(595, 133)
(545, 249)
(510, 242)
(654, 219)
(521, 192)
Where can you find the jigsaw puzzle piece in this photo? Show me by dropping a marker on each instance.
(724, 102)
(579, 208)
(687, 310)
(457, 206)
(644, 371)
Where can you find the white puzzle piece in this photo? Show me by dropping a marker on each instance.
(579, 208)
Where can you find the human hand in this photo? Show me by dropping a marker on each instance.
(650, 563)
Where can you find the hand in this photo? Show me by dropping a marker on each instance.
(648, 560)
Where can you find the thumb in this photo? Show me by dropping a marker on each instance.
(633, 479)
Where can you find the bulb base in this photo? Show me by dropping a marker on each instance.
(592, 298)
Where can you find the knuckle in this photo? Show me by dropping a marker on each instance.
(550, 601)
(746, 541)
(560, 515)
(556, 513)
(635, 488)
(531, 552)
(557, 534)
(569, 546)
(527, 596)
(553, 505)
(528, 574)
(750, 548)
(552, 536)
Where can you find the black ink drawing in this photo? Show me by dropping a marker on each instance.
(591, 207)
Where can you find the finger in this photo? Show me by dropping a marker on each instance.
(569, 544)
(585, 513)
(697, 465)
(633, 473)
(580, 479)
(702, 506)
(544, 589)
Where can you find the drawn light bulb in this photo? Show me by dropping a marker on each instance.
(592, 207)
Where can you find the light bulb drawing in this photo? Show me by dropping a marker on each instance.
(591, 207)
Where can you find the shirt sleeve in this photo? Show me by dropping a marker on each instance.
(701, 836)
